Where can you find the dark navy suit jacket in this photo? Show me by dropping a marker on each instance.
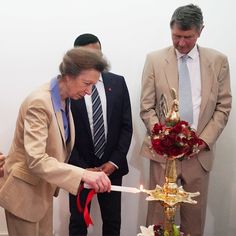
(119, 122)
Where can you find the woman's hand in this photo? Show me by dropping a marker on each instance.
(97, 180)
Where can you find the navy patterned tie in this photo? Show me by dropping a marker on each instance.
(99, 139)
(185, 93)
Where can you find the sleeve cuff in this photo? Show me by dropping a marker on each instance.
(114, 164)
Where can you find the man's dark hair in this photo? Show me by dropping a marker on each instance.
(85, 39)
(187, 17)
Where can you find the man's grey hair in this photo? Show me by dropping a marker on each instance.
(187, 17)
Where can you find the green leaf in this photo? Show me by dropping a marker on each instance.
(175, 231)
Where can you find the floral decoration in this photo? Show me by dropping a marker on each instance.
(175, 140)
(157, 230)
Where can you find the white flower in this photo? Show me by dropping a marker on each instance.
(146, 231)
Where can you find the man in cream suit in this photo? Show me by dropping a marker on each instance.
(208, 72)
(44, 137)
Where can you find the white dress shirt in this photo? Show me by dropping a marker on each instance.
(88, 101)
(193, 65)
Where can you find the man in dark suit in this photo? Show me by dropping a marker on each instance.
(111, 159)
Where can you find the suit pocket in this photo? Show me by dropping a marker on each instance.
(21, 174)
(23, 196)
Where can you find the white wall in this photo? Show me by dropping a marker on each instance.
(34, 37)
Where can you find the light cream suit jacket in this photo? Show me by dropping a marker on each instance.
(160, 74)
(35, 166)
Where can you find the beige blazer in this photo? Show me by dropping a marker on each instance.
(160, 74)
(36, 166)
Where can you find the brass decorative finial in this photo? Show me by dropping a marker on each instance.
(172, 116)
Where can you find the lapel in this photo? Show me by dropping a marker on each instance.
(206, 82)
(171, 69)
(109, 87)
(61, 126)
(72, 132)
(70, 144)
(56, 109)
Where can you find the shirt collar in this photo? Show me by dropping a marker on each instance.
(100, 79)
(192, 54)
(55, 95)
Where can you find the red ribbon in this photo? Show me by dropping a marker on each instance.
(87, 217)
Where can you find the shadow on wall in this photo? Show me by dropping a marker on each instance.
(221, 186)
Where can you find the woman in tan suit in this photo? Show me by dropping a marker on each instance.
(44, 136)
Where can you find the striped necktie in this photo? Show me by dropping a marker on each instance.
(185, 93)
(99, 139)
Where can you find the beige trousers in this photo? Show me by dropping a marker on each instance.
(193, 178)
(19, 227)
